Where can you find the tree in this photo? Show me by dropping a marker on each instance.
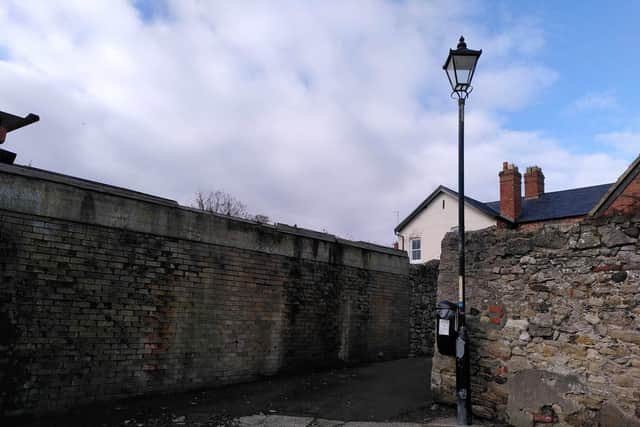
(224, 203)
(220, 202)
(261, 219)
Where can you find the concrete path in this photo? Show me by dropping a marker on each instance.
(286, 421)
(395, 392)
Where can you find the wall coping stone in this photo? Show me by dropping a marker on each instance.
(43, 193)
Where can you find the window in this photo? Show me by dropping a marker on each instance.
(416, 254)
(442, 203)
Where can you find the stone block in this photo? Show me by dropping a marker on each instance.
(613, 236)
(610, 415)
(588, 239)
(629, 336)
(499, 350)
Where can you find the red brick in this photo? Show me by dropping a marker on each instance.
(628, 202)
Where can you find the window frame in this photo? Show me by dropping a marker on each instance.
(412, 250)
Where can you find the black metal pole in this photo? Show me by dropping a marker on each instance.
(463, 374)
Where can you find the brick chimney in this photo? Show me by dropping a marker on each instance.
(533, 182)
(510, 191)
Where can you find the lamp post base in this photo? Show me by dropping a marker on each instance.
(463, 378)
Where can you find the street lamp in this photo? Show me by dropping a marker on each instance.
(460, 67)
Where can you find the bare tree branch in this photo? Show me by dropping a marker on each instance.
(224, 203)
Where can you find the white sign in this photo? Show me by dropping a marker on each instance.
(443, 327)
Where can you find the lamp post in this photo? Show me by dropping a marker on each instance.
(460, 67)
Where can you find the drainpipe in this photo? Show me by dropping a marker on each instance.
(402, 237)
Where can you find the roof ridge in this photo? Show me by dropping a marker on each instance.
(562, 191)
(466, 196)
(443, 188)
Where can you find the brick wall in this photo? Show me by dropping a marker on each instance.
(554, 322)
(628, 202)
(532, 226)
(108, 293)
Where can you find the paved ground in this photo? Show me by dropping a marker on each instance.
(388, 391)
(289, 421)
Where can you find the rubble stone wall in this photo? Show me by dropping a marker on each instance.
(424, 284)
(554, 321)
(107, 293)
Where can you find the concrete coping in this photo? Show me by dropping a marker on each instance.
(85, 184)
(49, 194)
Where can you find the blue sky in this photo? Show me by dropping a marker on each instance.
(327, 114)
(151, 10)
(590, 44)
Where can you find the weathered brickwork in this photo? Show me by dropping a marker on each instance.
(555, 323)
(628, 201)
(424, 281)
(532, 226)
(175, 299)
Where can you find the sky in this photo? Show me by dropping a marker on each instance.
(331, 115)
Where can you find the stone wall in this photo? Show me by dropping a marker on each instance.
(424, 282)
(555, 323)
(107, 293)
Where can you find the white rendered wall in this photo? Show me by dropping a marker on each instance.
(434, 222)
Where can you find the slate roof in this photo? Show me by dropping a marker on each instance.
(559, 204)
(553, 205)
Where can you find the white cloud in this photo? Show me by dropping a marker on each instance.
(625, 141)
(324, 114)
(597, 101)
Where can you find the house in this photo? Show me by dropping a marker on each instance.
(421, 232)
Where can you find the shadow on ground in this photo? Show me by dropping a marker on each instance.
(388, 391)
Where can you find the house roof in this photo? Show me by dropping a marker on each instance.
(558, 204)
(553, 205)
(483, 207)
(617, 188)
